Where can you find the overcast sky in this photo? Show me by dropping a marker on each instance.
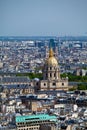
(43, 17)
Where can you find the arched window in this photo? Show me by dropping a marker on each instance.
(54, 84)
(50, 68)
(37, 83)
(44, 84)
(62, 84)
(54, 75)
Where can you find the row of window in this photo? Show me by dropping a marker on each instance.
(35, 124)
(26, 123)
(29, 90)
(35, 128)
(51, 68)
(51, 75)
(54, 84)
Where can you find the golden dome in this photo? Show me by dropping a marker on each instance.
(51, 60)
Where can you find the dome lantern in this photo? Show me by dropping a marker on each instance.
(51, 60)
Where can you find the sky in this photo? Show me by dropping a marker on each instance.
(43, 17)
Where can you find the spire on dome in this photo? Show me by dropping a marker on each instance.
(51, 54)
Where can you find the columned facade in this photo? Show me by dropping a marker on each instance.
(51, 75)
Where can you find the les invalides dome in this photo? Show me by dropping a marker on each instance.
(51, 60)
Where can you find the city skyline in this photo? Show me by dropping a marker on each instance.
(43, 18)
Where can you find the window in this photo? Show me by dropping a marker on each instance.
(62, 84)
(50, 68)
(50, 75)
(37, 83)
(54, 84)
(46, 74)
(54, 75)
(44, 84)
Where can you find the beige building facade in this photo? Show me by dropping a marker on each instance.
(51, 75)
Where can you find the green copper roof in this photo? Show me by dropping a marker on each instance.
(33, 118)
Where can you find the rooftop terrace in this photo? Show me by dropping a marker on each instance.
(33, 118)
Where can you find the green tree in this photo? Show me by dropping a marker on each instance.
(82, 87)
(31, 75)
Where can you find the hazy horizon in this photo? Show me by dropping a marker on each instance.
(43, 18)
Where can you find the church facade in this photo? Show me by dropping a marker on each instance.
(51, 75)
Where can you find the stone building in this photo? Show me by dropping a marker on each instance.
(51, 75)
(36, 122)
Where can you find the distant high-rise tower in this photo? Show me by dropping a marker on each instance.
(54, 45)
(46, 52)
(56, 52)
